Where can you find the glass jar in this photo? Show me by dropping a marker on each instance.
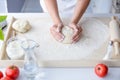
(31, 68)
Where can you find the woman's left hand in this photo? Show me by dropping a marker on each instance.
(77, 32)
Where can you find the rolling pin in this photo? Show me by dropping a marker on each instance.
(115, 34)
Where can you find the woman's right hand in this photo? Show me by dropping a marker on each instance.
(56, 32)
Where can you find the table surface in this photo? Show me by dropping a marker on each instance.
(79, 74)
(75, 74)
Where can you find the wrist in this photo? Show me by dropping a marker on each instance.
(58, 24)
(73, 21)
(72, 24)
(57, 21)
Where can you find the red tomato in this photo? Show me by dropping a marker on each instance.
(1, 74)
(6, 78)
(12, 72)
(101, 70)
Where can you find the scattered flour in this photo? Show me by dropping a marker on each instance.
(95, 33)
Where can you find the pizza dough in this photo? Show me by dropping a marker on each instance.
(21, 26)
(68, 33)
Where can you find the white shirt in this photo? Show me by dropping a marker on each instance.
(65, 7)
(95, 6)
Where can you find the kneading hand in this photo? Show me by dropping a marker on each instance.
(77, 32)
(56, 32)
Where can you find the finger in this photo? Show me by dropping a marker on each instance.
(80, 28)
(54, 27)
(58, 36)
(59, 28)
(77, 38)
(76, 33)
(74, 27)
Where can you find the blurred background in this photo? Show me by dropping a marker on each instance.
(33, 6)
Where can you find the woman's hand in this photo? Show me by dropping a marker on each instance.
(77, 32)
(56, 32)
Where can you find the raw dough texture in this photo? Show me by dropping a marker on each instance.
(68, 33)
(21, 26)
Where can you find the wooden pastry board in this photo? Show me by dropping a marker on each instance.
(4, 61)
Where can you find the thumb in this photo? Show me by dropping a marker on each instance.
(59, 27)
(74, 27)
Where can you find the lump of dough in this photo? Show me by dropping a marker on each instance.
(14, 51)
(68, 33)
(21, 26)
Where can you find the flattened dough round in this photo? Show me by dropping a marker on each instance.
(68, 33)
(21, 26)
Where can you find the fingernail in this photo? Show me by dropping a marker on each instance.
(61, 40)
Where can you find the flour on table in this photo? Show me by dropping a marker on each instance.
(94, 34)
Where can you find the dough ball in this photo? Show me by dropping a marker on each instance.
(21, 26)
(68, 33)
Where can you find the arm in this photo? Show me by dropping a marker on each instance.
(80, 8)
(53, 10)
(57, 27)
